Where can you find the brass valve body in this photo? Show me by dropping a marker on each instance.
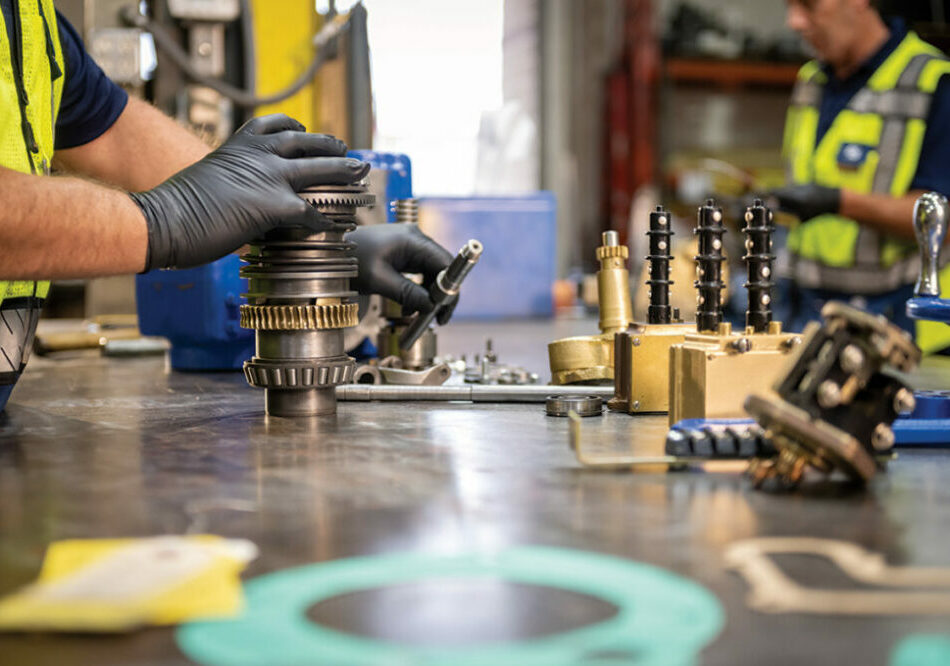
(590, 358)
(642, 366)
(712, 373)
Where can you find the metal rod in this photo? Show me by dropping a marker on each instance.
(524, 393)
(443, 290)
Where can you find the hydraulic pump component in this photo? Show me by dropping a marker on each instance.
(712, 373)
(714, 369)
(832, 410)
(709, 284)
(590, 358)
(443, 290)
(758, 245)
(298, 304)
(660, 234)
(642, 352)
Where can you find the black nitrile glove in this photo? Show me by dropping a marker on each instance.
(386, 251)
(808, 201)
(243, 189)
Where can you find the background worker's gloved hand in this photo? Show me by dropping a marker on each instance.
(385, 251)
(808, 201)
(241, 190)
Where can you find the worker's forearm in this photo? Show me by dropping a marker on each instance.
(891, 215)
(62, 227)
(143, 148)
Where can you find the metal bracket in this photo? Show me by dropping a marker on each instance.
(771, 591)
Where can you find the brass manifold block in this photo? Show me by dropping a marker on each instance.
(642, 366)
(711, 373)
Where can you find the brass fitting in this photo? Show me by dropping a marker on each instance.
(590, 358)
(712, 373)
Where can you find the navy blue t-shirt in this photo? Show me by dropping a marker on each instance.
(91, 102)
(932, 172)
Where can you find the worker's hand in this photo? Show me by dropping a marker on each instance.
(241, 190)
(386, 251)
(808, 201)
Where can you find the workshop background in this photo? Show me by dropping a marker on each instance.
(477, 525)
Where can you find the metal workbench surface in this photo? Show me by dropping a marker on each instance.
(94, 447)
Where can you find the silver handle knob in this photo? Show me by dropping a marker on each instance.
(930, 226)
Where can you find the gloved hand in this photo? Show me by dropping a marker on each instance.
(808, 201)
(385, 251)
(241, 190)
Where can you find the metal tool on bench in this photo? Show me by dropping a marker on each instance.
(931, 216)
(833, 408)
(299, 302)
(489, 393)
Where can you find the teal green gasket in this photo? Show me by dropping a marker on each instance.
(662, 619)
(922, 650)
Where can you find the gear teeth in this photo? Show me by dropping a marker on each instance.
(299, 317)
(354, 199)
(611, 251)
(263, 374)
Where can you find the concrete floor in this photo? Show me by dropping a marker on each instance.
(94, 447)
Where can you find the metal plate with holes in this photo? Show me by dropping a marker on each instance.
(582, 405)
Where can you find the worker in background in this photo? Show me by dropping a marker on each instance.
(867, 132)
(150, 194)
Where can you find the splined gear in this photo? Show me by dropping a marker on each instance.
(303, 375)
(299, 317)
(338, 199)
(612, 251)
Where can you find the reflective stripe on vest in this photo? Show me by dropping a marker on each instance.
(42, 82)
(883, 126)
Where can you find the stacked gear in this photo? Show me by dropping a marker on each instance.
(31, 97)
(883, 128)
(835, 406)
(709, 267)
(759, 258)
(659, 310)
(299, 302)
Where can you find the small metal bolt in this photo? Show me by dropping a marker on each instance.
(829, 394)
(791, 343)
(662, 220)
(636, 342)
(904, 402)
(636, 404)
(766, 271)
(716, 216)
(742, 345)
(204, 49)
(717, 244)
(748, 216)
(851, 359)
(701, 300)
(882, 439)
(766, 299)
(662, 245)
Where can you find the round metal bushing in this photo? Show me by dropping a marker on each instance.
(286, 374)
(299, 317)
(582, 405)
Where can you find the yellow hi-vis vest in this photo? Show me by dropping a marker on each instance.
(883, 126)
(31, 86)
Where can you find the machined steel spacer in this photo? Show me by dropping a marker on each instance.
(582, 405)
(299, 317)
(612, 251)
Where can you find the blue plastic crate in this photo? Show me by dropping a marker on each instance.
(513, 279)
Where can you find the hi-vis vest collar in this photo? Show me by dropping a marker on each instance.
(872, 146)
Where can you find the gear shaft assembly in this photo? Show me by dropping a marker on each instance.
(709, 267)
(759, 258)
(299, 302)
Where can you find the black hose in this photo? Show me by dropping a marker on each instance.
(243, 98)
